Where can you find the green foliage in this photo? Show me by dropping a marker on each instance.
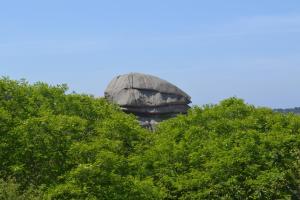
(10, 190)
(55, 145)
(227, 151)
(103, 168)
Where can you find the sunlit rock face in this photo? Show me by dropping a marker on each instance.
(150, 98)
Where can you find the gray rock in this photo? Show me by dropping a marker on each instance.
(157, 110)
(150, 98)
(137, 89)
(142, 97)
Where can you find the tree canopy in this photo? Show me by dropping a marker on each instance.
(55, 145)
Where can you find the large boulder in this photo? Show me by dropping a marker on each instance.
(147, 96)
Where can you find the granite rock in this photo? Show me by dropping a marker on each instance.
(148, 97)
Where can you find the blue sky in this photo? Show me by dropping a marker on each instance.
(211, 49)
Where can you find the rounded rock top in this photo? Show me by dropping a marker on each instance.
(136, 90)
(143, 81)
(146, 94)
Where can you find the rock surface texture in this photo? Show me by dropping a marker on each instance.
(150, 98)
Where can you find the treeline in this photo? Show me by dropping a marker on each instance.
(55, 145)
(295, 110)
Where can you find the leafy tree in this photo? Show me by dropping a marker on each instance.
(103, 169)
(10, 190)
(226, 151)
(55, 145)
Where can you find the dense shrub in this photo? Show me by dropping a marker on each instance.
(226, 151)
(55, 145)
(10, 190)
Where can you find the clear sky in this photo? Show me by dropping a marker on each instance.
(212, 49)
